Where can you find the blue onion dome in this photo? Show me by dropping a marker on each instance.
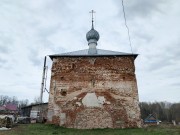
(92, 34)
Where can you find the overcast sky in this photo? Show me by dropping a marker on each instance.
(31, 29)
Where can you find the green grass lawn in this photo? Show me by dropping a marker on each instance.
(45, 129)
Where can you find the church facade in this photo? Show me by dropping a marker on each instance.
(94, 88)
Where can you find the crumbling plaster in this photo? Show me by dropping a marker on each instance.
(94, 92)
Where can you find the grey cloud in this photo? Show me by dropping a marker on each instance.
(43, 48)
(141, 8)
(175, 84)
(159, 64)
(4, 49)
(166, 56)
(49, 8)
(34, 57)
(2, 62)
(143, 36)
(174, 74)
(44, 33)
(5, 43)
(139, 39)
(173, 50)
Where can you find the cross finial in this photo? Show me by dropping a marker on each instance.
(92, 12)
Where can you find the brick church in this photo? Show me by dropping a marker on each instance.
(94, 88)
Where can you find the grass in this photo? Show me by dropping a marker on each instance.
(45, 129)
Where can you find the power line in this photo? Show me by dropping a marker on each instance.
(127, 26)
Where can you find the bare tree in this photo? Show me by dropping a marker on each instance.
(164, 111)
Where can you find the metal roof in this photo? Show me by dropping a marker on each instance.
(38, 104)
(151, 119)
(84, 53)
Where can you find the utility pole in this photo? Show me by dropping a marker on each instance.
(40, 110)
(42, 83)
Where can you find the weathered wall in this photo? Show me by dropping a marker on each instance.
(43, 108)
(94, 92)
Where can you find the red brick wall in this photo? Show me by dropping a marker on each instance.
(112, 88)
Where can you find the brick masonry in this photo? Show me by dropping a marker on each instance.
(94, 92)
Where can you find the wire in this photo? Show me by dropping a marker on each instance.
(127, 26)
(47, 91)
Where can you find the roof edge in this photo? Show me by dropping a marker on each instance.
(124, 55)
